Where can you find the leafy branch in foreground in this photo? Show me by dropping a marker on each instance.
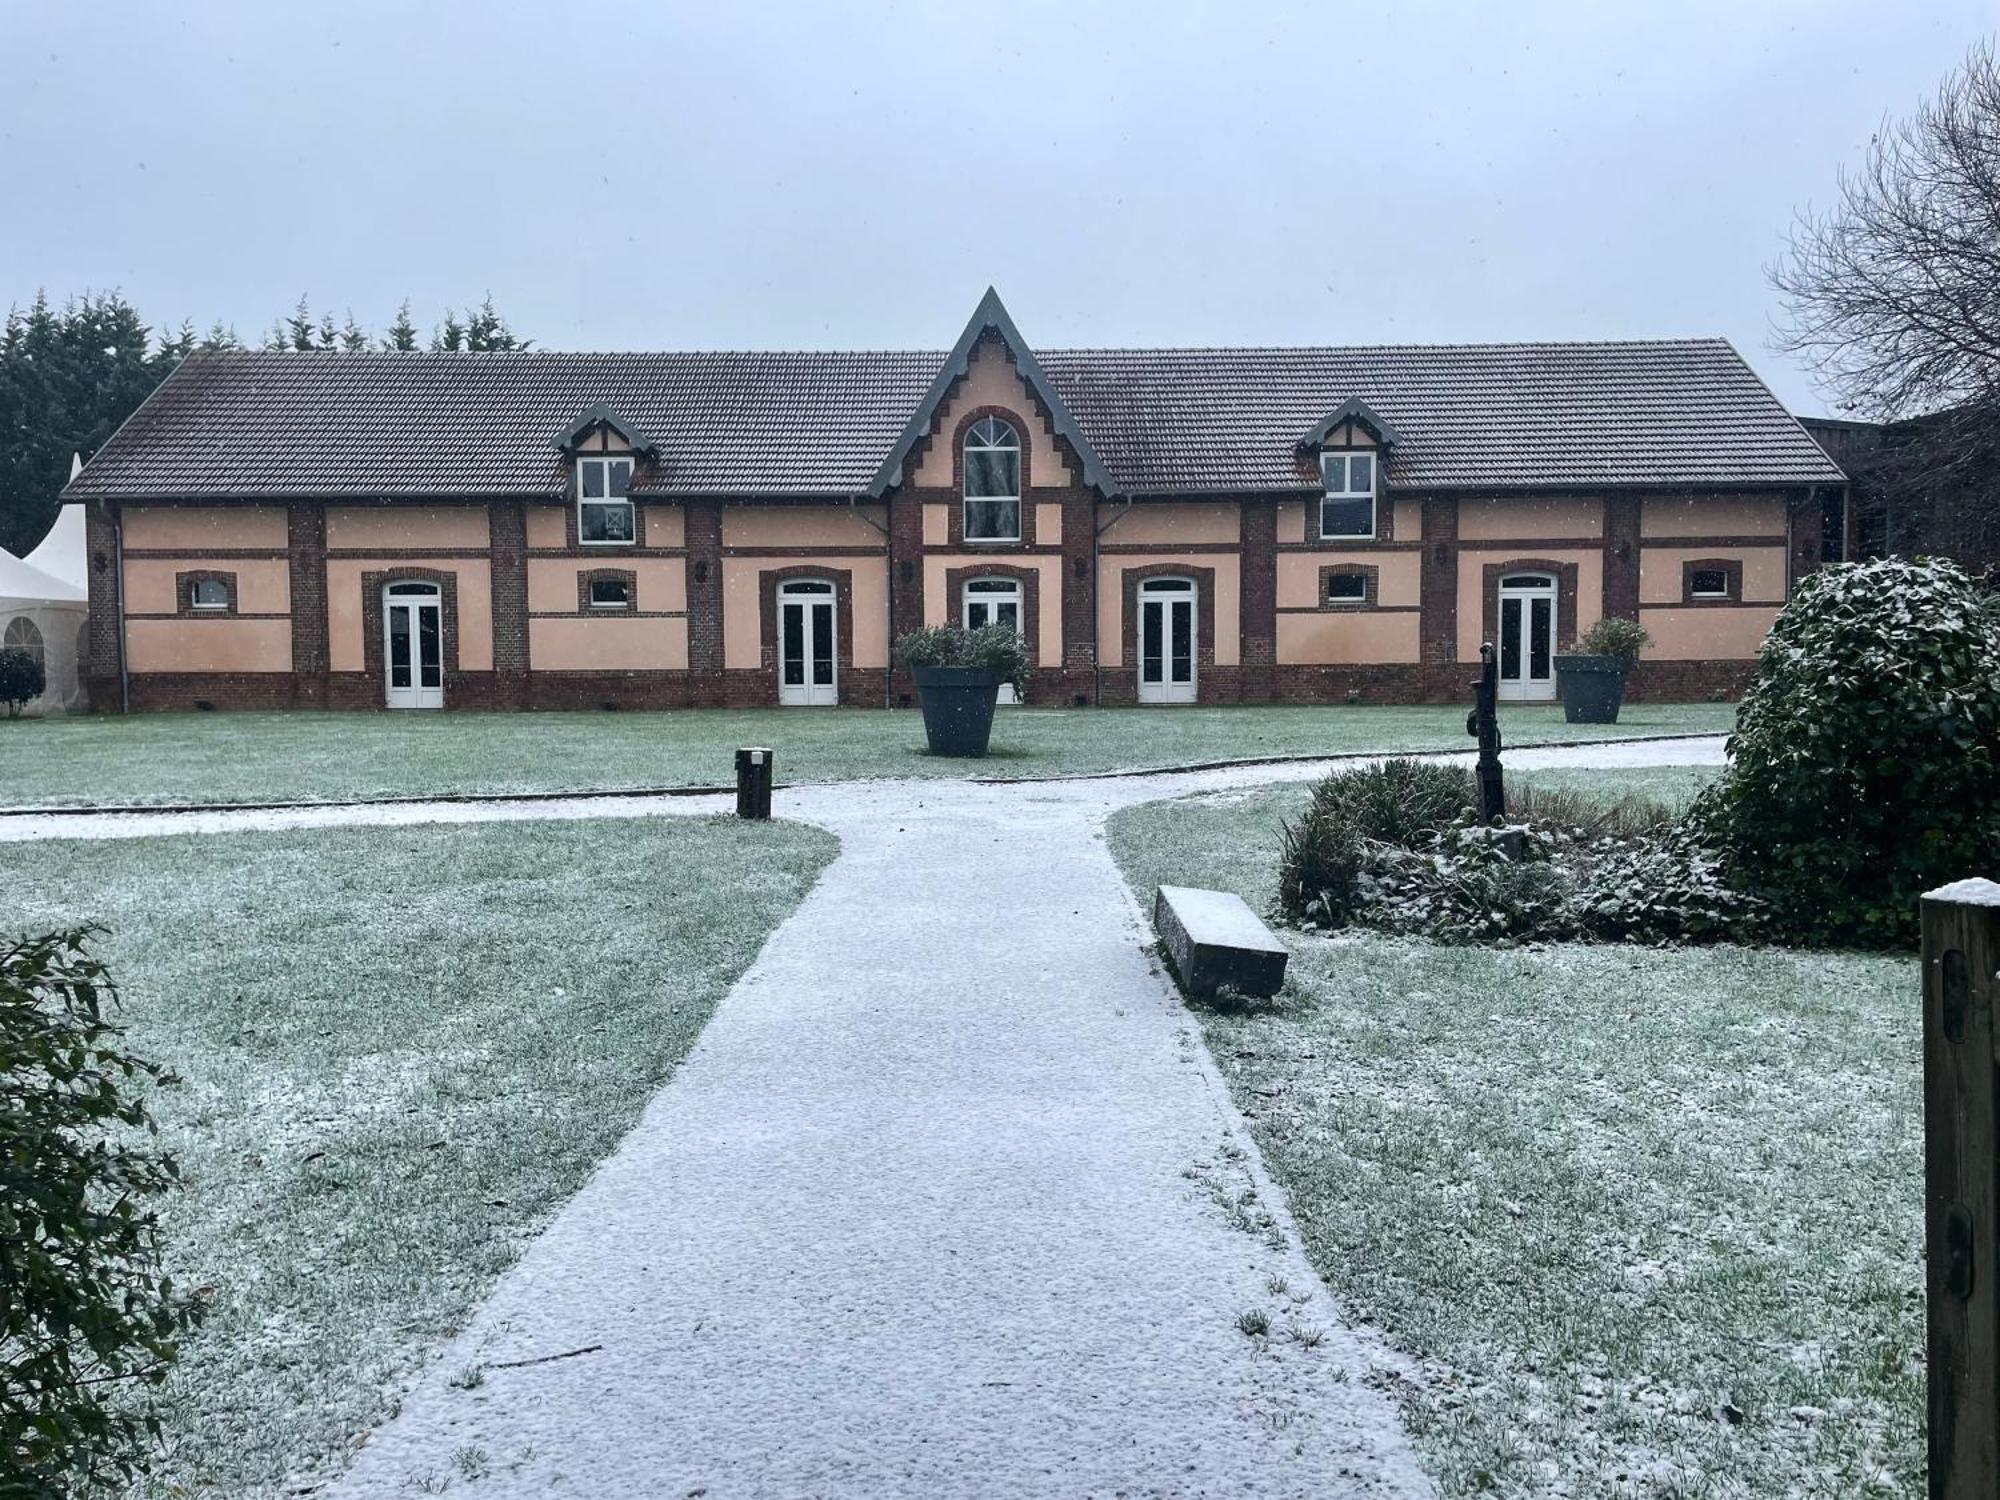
(88, 1322)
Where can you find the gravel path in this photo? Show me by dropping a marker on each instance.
(947, 1201)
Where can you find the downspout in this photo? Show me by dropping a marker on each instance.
(124, 672)
(888, 607)
(1096, 605)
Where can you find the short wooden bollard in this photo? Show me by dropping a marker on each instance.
(1961, 964)
(753, 783)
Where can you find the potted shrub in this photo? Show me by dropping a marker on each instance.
(958, 675)
(1590, 680)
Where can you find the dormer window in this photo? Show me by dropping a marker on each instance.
(603, 509)
(1347, 509)
(992, 482)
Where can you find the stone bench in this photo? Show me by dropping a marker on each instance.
(1214, 939)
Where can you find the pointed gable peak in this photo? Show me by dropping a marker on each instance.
(597, 414)
(1355, 410)
(990, 316)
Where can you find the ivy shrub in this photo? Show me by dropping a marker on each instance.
(21, 678)
(88, 1321)
(1865, 766)
(997, 648)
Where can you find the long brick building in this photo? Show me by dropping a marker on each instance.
(542, 530)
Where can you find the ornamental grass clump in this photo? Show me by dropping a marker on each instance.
(1865, 766)
(88, 1321)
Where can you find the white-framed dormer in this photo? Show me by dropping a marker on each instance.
(1350, 445)
(603, 452)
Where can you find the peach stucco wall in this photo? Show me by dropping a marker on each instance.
(802, 526)
(1555, 516)
(991, 381)
(1344, 637)
(1048, 590)
(610, 643)
(343, 608)
(741, 606)
(937, 525)
(1291, 521)
(1709, 633)
(552, 587)
(1048, 524)
(548, 526)
(357, 526)
(1398, 582)
(1750, 515)
(263, 584)
(1228, 641)
(1660, 572)
(1471, 616)
(218, 645)
(1175, 524)
(194, 527)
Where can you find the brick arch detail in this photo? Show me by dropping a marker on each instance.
(1565, 574)
(1204, 615)
(842, 580)
(1030, 579)
(372, 584)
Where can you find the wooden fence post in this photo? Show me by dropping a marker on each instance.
(1961, 966)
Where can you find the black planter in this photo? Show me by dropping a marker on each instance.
(958, 707)
(1592, 688)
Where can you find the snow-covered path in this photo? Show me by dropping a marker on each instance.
(947, 1201)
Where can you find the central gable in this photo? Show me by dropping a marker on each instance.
(991, 385)
(989, 336)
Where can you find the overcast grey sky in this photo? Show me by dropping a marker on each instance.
(720, 175)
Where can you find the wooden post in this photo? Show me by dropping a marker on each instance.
(1961, 966)
(753, 783)
(1484, 721)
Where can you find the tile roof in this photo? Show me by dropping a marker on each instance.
(325, 425)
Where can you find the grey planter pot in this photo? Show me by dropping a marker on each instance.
(1592, 688)
(958, 707)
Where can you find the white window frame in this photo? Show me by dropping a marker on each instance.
(974, 441)
(625, 604)
(603, 463)
(195, 601)
(1695, 592)
(1371, 492)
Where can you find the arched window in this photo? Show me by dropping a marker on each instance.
(25, 635)
(992, 481)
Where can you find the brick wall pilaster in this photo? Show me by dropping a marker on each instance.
(1259, 605)
(1621, 558)
(305, 541)
(1438, 607)
(1808, 537)
(509, 560)
(704, 597)
(906, 582)
(101, 560)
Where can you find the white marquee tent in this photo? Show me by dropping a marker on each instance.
(45, 607)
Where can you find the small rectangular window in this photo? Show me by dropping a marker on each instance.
(603, 509)
(1347, 509)
(1347, 588)
(610, 593)
(208, 593)
(1708, 583)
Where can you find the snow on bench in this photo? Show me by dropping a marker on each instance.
(1215, 939)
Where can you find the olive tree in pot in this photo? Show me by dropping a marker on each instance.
(958, 674)
(1590, 679)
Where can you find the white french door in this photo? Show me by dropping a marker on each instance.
(994, 601)
(807, 649)
(1167, 644)
(413, 645)
(1527, 637)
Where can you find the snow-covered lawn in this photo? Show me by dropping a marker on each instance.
(1650, 1219)
(261, 757)
(401, 1051)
